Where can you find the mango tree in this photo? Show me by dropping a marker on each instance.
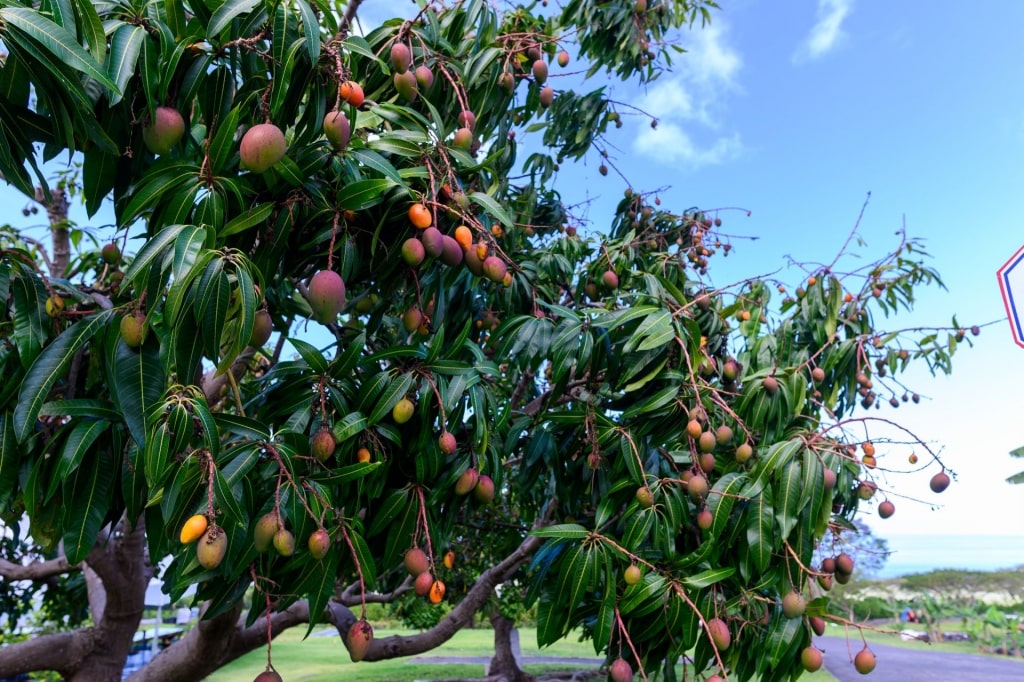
(343, 323)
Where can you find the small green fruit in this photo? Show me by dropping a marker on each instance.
(793, 605)
(402, 411)
(262, 328)
(212, 547)
(632, 574)
(133, 329)
(284, 542)
(110, 254)
(263, 534)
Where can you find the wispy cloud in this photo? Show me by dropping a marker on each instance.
(827, 32)
(688, 104)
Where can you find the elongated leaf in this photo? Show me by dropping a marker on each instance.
(29, 314)
(760, 530)
(395, 391)
(228, 11)
(224, 498)
(363, 194)
(50, 366)
(10, 460)
(154, 249)
(789, 497)
(86, 500)
(488, 203)
(350, 473)
(561, 531)
(78, 443)
(709, 577)
(311, 27)
(349, 425)
(141, 381)
(125, 46)
(244, 221)
(371, 159)
(311, 354)
(61, 43)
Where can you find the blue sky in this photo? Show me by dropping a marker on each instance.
(795, 111)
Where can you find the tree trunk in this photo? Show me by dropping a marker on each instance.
(124, 573)
(505, 664)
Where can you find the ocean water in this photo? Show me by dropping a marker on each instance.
(923, 553)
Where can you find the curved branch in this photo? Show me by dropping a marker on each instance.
(60, 652)
(457, 618)
(37, 570)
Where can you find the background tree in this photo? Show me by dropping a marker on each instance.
(333, 325)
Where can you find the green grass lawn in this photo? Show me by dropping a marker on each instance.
(325, 659)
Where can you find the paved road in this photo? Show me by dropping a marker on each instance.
(896, 664)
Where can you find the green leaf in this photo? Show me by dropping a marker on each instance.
(154, 248)
(125, 45)
(50, 366)
(488, 203)
(317, 579)
(709, 577)
(373, 160)
(78, 443)
(561, 531)
(80, 407)
(352, 472)
(141, 380)
(155, 456)
(363, 194)
(58, 41)
(395, 391)
(349, 425)
(10, 460)
(86, 500)
(311, 27)
(789, 497)
(254, 216)
(760, 527)
(224, 498)
(227, 12)
(312, 355)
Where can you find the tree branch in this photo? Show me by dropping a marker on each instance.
(459, 617)
(220, 640)
(37, 570)
(60, 652)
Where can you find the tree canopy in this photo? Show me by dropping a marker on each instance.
(344, 322)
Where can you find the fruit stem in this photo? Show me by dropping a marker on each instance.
(359, 568)
(423, 520)
(235, 392)
(625, 635)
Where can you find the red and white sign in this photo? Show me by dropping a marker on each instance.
(1011, 282)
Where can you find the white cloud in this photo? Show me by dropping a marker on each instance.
(670, 143)
(827, 32)
(688, 104)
